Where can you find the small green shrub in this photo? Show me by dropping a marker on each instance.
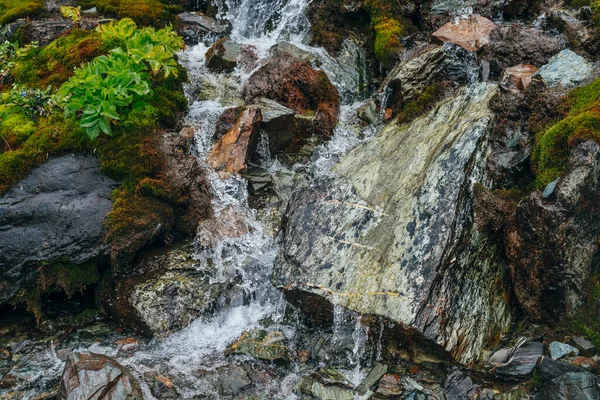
(73, 13)
(34, 102)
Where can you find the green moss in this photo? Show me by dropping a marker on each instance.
(10, 10)
(143, 12)
(15, 127)
(56, 276)
(54, 64)
(389, 27)
(554, 144)
(422, 104)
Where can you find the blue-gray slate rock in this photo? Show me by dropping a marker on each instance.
(57, 212)
(558, 350)
(567, 69)
(524, 362)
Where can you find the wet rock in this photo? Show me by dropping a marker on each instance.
(567, 69)
(174, 292)
(524, 362)
(234, 380)
(286, 49)
(513, 44)
(374, 240)
(516, 79)
(227, 120)
(326, 384)
(471, 33)
(193, 26)
(57, 212)
(94, 376)
(368, 112)
(550, 246)
(233, 151)
(372, 378)
(571, 385)
(288, 132)
(390, 387)
(262, 345)
(296, 85)
(161, 387)
(586, 348)
(44, 31)
(458, 386)
(223, 55)
(558, 350)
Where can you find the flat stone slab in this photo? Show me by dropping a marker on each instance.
(524, 362)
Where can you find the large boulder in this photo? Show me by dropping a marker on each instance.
(392, 236)
(223, 55)
(552, 245)
(514, 44)
(56, 213)
(296, 85)
(90, 376)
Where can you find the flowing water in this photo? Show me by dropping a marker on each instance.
(261, 24)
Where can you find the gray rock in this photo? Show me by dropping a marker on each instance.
(368, 112)
(89, 376)
(57, 212)
(584, 163)
(371, 379)
(524, 362)
(549, 189)
(262, 345)
(376, 238)
(566, 69)
(574, 30)
(194, 26)
(558, 350)
(572, 385)
(223, 56)
(233, 380)
(326, 384)
(175, 291)
(586, 348)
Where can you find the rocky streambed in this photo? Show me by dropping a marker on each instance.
(341, 221)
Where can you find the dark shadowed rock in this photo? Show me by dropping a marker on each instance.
(57, 212)
(572, 385)
(90, 376)
(513, 44)
(458, 386)
(552, 245)
(516, 79)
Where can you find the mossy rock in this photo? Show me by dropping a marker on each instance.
(10, 10)
(554, 144)
(263, 345)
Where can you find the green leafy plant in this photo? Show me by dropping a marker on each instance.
(73, 13)
(102, 88)
(99, 91)
(10, 53)
(34, 102)
(156, 47)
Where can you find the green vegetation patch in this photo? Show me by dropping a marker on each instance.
(389, 27)
(428, 98)
(582, 123)
(11, 10)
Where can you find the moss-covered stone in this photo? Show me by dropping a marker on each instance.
(554, 144)
(143, 12)
(13, 9)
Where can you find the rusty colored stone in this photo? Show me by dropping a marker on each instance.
(232, 151)
(470, 33)
(516, 79)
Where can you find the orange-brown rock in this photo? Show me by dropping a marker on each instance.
(470, 33)
(232, 151)
(516, 79)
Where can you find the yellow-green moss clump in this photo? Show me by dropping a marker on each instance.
(143, 12)
(389, 27)
(11, 10)
(554, 144)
